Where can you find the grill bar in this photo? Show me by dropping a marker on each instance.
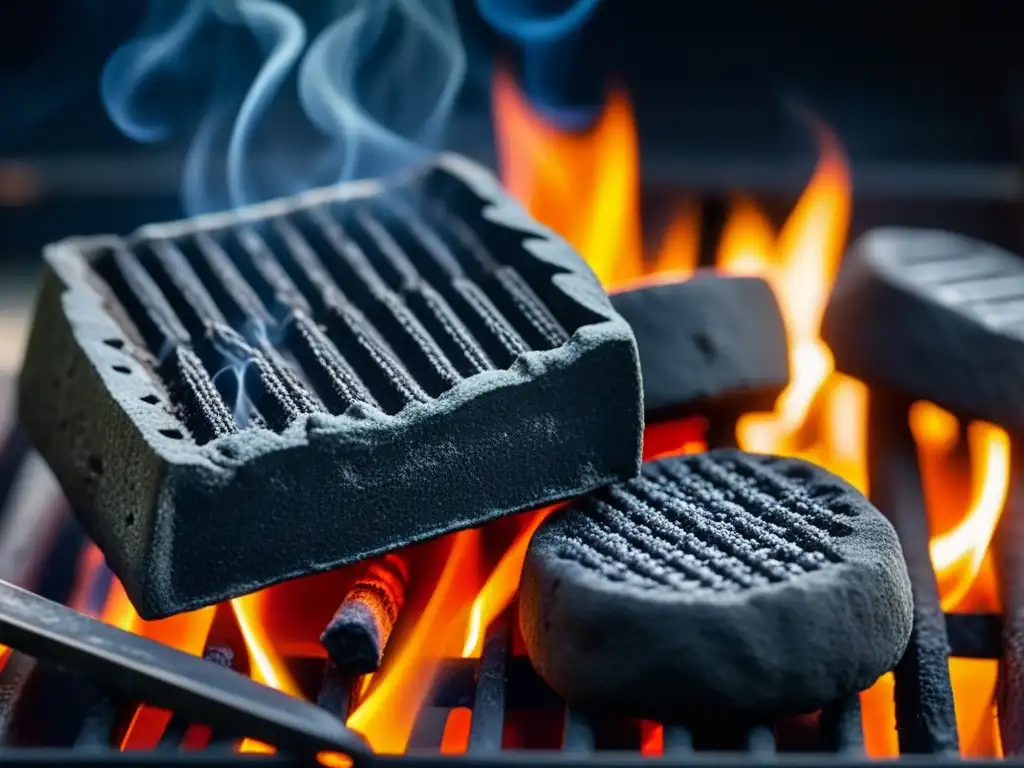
(579, 737)
(1010, 565)
(488, 720)
(98, 729)
(924, 694)
(841, 728)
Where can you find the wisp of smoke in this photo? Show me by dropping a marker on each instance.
(267, 109)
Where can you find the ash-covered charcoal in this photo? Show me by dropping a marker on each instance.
(717, 585)
(936, 316)
(241, 398)
(708, 342)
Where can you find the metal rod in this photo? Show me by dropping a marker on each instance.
(841, 727)
(16, 670)
(925, 715)
(713, 213)
(146, 670)
(579, 734)
(1009, 551)
(335, 693)
(677, 740)
(975, 635)
(176, 730)
(97, 730)
(761, 740)
(488, 723)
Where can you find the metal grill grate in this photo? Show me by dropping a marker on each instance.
(500, 689)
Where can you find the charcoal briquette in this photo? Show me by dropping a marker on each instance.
(710, 342)
(718, 585)
(934, 316)
(315, 380)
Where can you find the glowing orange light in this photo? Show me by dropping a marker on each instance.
(455, 739)
(597, 169)
(747, 245)
(958, 554)
(187, 632)
(677, 255)
(500, 586)
(652, 739)
(265, 665)
(386, 715)
(800, 265)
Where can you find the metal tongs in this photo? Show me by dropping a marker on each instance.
(140, 669)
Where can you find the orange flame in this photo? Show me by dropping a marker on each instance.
(500, 586)
(597, 169)
(958, 554)
(585, 185)
(822, 415)
(187, 632)
(387, 714)
(266, 667)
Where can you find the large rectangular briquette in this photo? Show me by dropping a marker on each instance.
(237, 399)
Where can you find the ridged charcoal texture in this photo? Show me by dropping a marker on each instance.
(242, 398)
(710, 342)
(935, 316)
(717, 585)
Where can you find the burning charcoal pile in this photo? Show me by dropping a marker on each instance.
(401, 466)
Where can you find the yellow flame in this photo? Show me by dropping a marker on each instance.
(385, 717)
(265, 666)
(500, 587)
(958, 554)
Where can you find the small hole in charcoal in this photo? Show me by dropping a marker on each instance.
(174, 434)
(705, 345)
(122, 369)
(150, 399)
(129, 519)
(96, 465)
(228, 451)
(115, 343)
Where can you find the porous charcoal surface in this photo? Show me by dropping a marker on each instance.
(706, 343)
(717, 585)
(936, 316)
(241, 398)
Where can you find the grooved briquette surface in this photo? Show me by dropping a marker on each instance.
(723, 584)
(241, 398)
(933, 315)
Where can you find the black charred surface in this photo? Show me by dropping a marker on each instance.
(1010, 562)
(925, 715)
(935, 316)
(707, 344)
(311, 381)
(722, 586)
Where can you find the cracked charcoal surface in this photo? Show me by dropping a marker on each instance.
(718, 585)
(707, 343)
(322, 378)
(936, 316)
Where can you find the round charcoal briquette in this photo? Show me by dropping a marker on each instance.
(725, 584)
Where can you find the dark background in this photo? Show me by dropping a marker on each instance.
(928, 100)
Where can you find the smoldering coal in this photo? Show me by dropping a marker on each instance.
(452, 363)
